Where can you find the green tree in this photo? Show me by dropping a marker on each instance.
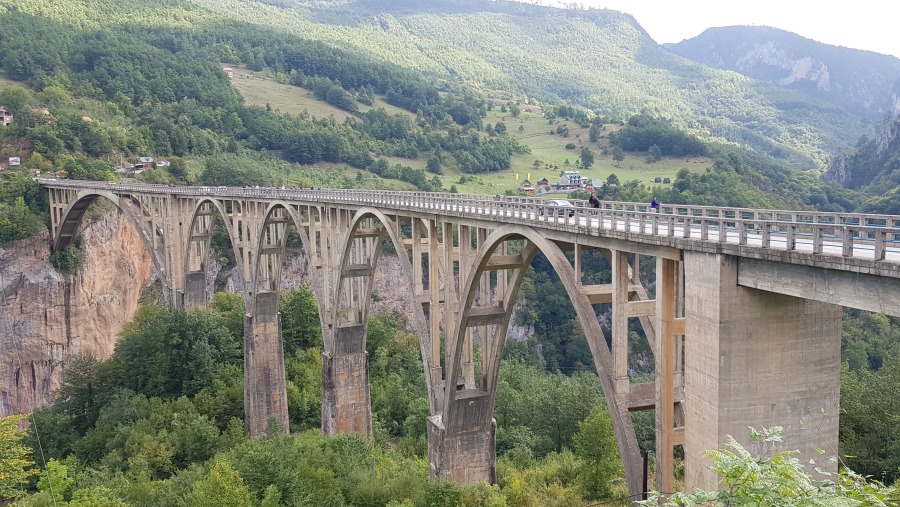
(67, 260)
(15, 459)
(595, 443)
(618, 154)
(654, 154)
(55, 481)
(587, 158)
(870, 420)
(594, 133)
(222, 487)
(300, 325)
(433, 165)
(235, 171)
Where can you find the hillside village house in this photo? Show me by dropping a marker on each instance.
(570, 179)
(6, 116)
(593, 184)
(144, 163)
(228, 71)
(543, 182)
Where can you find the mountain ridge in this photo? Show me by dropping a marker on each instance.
(863, 82)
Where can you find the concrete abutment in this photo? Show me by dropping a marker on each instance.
(759, 359)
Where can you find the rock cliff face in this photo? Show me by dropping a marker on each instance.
(46, 316)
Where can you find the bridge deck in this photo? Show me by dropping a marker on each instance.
(864, 243)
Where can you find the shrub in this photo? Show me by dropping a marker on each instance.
(67, 260)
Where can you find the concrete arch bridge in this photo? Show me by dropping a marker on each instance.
(744, 319)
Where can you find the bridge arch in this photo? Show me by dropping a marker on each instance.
(271, 247)
(197, 246)
(462, 404)
(74, 214)
(345, 401)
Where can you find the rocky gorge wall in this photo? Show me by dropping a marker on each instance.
(47, 316)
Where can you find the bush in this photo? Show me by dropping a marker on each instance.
(67, 260)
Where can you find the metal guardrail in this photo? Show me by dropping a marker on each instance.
(855, 235)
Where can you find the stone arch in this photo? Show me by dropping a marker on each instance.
(345, 401)
(461, 401)
(197, 248)
(74, 214)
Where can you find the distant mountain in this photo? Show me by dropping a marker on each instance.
(862, 82)
(873, 164)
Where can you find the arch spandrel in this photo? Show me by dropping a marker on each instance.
(603, 362)
(74, 213)
(391, 229)
(291, 217)
(197, 246)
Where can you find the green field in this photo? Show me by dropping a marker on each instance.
(546, 147)
(260, 90)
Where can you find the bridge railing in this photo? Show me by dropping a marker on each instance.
(845, 234)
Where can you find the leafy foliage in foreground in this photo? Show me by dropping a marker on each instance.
(15, 460)
(777, 480)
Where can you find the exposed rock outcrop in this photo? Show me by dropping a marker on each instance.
(46, 316)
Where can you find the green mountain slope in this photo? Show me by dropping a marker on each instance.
(598, 58)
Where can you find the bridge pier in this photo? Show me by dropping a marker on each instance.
(195, 295)
(756, 358)
(265, 388)
(463, 446)
(346, 402)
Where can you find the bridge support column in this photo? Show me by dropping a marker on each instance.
(346, 403)
(463, 448)
(756, 358)
(265, 389)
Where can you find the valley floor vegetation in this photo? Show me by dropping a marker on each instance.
(159, 424)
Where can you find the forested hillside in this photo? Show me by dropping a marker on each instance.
(598, 59)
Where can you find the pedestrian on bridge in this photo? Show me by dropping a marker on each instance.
(654, 204)
(593, 200)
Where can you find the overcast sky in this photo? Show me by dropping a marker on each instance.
(872, 25)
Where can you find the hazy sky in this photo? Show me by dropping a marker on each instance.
(873, 25)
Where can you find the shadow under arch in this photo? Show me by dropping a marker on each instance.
(345, 345)
(74, 213)
(458, 403)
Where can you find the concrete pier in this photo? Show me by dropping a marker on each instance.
(195, 295)
(463, 447)
(265, 389)
(759, 359)
(346, 406)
